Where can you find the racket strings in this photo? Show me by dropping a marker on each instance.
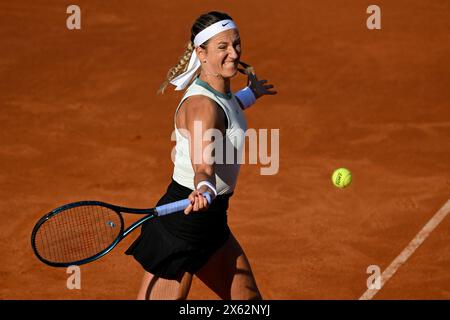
(77, 233)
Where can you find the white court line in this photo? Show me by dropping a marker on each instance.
(409, 250)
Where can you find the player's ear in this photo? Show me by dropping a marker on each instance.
(201, 54)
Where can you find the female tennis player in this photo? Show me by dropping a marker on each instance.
(198, 241)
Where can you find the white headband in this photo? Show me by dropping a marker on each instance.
(182, 80)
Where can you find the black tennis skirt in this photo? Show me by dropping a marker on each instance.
(172, 244)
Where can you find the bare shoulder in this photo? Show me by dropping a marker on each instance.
(199, 104)
(201, 108)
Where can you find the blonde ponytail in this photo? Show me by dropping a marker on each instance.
(179, 68)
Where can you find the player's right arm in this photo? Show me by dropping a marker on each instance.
(202, 112)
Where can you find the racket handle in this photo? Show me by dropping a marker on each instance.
(178, 205)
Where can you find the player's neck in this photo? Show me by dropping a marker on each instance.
(217, 82)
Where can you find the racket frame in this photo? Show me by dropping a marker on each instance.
(150, 213)
(162, 210)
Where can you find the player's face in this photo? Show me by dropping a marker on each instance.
(222, 54)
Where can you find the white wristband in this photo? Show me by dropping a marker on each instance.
(209, 185)
(246, 96)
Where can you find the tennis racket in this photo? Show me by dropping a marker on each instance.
(84, 231)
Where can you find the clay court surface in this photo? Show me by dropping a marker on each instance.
(80, 119)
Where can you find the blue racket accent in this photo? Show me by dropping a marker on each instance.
(178, 205)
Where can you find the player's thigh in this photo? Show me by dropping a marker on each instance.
(156, 288)
(228, 273)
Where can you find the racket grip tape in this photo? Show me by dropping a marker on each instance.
(178, 205)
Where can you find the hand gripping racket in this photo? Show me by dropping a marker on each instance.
(84, 231)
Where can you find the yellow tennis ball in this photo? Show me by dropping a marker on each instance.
(341, 177)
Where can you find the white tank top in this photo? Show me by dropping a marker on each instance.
(226, 172)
